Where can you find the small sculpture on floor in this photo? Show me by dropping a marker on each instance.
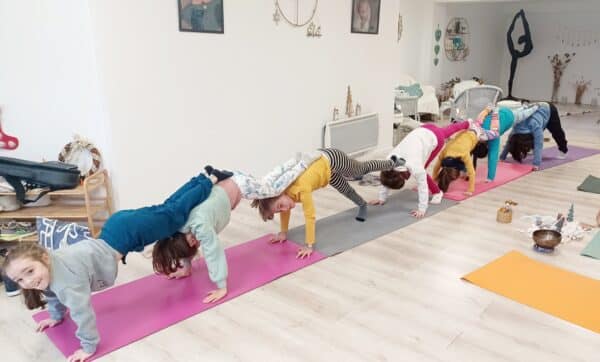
(504, 214)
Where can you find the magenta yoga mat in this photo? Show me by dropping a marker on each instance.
(505, 172)
(131, 311)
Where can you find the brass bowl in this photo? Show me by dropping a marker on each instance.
(547, 239)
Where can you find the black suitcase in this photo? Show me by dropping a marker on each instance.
(24, 175)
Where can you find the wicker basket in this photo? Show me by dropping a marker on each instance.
(504, 215)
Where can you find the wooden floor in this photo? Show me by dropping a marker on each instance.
(397, 298)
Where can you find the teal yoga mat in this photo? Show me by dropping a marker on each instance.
(593, 248)
(341, 232)
(590, 184)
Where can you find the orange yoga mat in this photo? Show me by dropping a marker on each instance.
(556, 291)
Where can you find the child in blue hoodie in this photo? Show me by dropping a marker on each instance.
(529, 134)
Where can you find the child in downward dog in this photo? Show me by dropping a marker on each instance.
(172, 256)
(329, 169)
(456, 158)
(528, 134)
(65, 278)
(504, 118)
(459, 156)
(418, 149)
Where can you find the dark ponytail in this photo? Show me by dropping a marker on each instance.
(446, 176)
(519, 145)
(168, 253)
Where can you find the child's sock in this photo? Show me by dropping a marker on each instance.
(398, 161)
(362, 213)
(437, 198)
(561, 155)
(219, 174)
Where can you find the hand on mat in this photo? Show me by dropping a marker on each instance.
(183, 272)
(376, 202)
(304, 252)
(215, 295)
(46, 323)
(417, 213)
(279, 238)
(79, 355)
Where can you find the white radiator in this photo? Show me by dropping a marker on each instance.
(352, 135)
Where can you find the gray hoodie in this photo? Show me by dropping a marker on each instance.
(77, 271)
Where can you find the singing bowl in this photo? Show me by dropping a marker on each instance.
(546, 238)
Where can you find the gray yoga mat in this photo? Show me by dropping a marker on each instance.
(590, 184)
(340, 232)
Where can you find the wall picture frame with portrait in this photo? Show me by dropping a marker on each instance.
(365, 16)
(201, 16)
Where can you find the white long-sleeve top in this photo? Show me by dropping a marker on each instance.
(415, 149)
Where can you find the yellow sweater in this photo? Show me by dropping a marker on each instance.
(314, 178)
(460, 147)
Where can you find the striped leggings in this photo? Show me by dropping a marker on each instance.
(343, 166)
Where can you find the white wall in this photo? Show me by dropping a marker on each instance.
(534, 72)
(48, 77)
(245, 100)
(489, 52)
(487, 41)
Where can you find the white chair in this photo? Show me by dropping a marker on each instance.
(463, 86)
(469, 103)
(428, 102)
(457, 89)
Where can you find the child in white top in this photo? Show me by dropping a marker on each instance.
(418, 149)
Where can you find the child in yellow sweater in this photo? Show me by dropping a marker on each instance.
(331, 168)
(455, 160)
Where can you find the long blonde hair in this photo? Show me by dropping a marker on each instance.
(32, 297)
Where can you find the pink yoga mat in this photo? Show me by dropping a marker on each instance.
(505, 172)
(550, 156)
(131, 311)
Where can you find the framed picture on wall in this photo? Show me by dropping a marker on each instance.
(201, 16)
(365, 16)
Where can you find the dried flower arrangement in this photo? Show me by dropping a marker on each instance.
(581, 87)
(559, 63)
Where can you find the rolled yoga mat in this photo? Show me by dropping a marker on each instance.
(129, 312)
(505, 172)
(549, 156)
(340, 232)
(561, 293)
(590, 184)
